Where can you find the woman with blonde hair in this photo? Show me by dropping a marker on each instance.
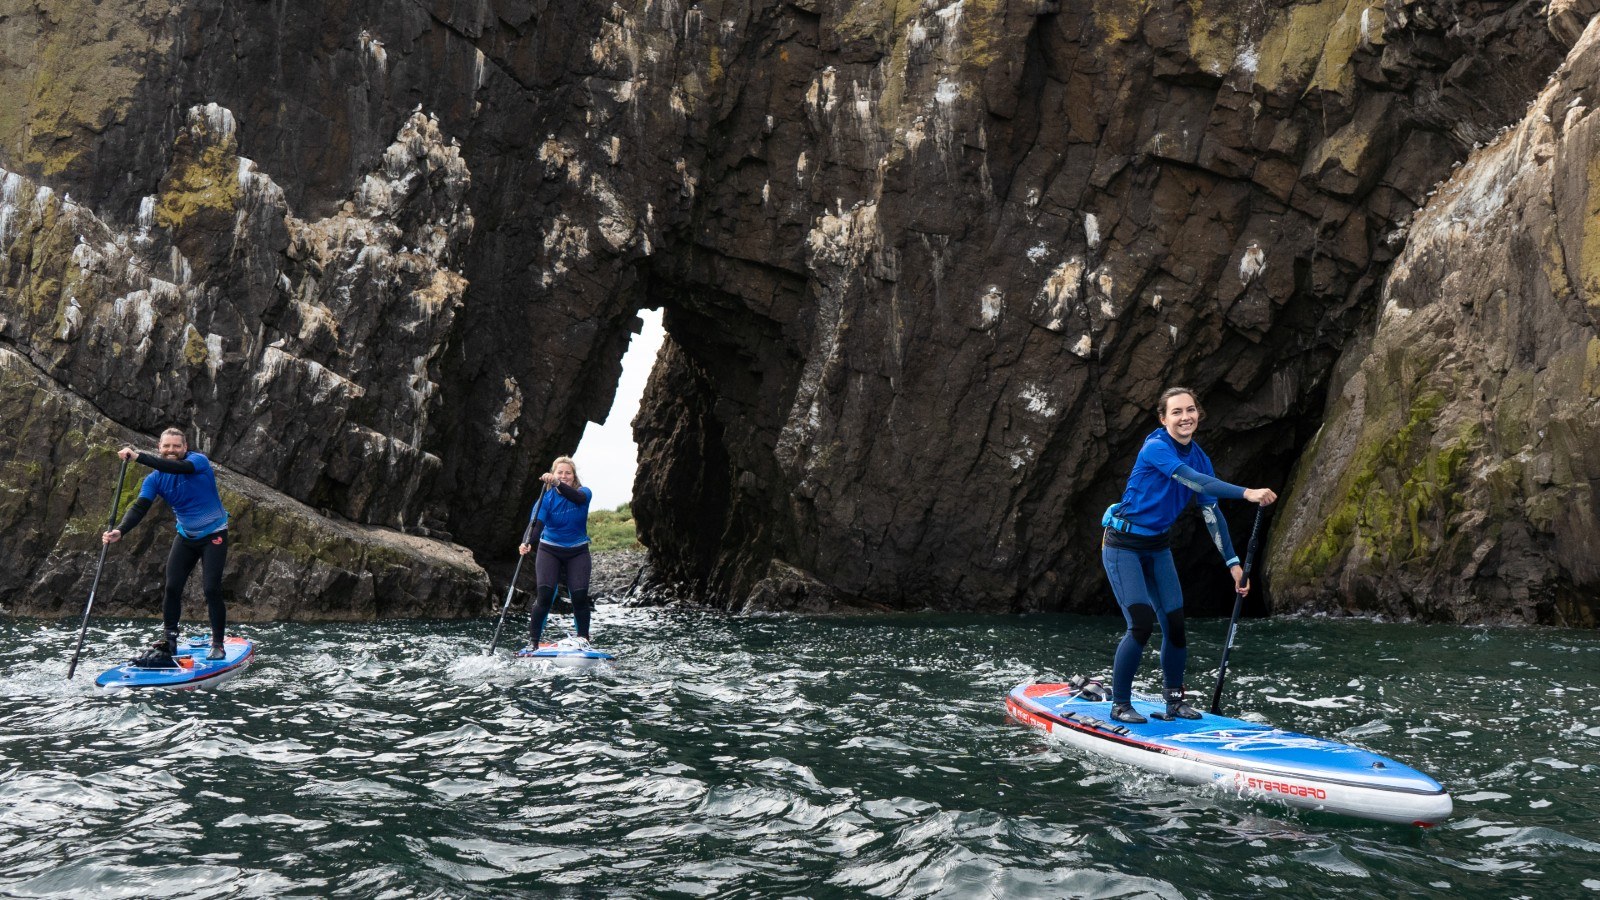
(560, 524)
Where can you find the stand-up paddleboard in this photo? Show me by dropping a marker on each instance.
(568, 653)
(1256, 761)
(193, 669)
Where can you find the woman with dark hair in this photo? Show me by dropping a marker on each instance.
(1170, 471)
(560, 523)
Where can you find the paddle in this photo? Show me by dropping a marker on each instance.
(95, 585)
(527, 538)
(1233, 623)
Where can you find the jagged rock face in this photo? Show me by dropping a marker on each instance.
(302, 352)
(60, 475)
(1454, 476)
(284, 265)
(950, 254)
(925, 265)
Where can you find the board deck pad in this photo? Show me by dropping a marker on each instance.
(193, 669)
(566, 652)
(1253, 759)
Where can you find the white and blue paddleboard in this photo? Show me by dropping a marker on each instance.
(1254, 761)
(193, 669)
(567, 653)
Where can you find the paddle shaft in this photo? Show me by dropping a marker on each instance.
(111, 523)
(511, 590)
(1233, 623)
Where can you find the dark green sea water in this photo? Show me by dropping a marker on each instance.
(768, 757)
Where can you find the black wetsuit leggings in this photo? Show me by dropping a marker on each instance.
(555, 566)
(211, 551)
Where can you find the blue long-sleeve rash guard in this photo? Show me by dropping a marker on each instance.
(564, 513)
(189, 486)
(1166, 476)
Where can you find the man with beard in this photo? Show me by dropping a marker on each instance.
(188, 483)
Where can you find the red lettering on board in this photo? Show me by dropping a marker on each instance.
(1279, 787)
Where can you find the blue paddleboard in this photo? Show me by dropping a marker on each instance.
(193, 669)
(1252, 760)
(566, 652)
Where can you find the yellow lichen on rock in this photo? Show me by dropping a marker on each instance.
(714, 72)
(74, 81)
(1349, 147)
(1213, 36)
(207, 182)
(1312, 45)
(1591, 368)
(878, 21)
(1589, 260)
(195, 352)
(984, 23)
(1343, 36)
(1119, 20)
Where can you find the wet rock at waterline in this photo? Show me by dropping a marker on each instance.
(925, 267)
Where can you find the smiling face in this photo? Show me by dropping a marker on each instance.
(173, 446)
(1180, 415)
(566, 473)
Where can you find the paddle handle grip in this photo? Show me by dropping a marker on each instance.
(1255, 540)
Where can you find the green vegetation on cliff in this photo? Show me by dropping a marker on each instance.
(1392, 490)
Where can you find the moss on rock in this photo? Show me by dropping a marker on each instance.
(74, 78)
(195, 351)
(206, 182)
(1396, 483)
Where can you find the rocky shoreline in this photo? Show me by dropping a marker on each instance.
(622, 576)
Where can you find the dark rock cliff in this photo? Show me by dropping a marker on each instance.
(1455, 475)
(949, 254)
(925, 265)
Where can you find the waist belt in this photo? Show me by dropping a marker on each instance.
(1117, 523)
(1123, 525)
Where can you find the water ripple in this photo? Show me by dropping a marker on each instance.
(761, 757)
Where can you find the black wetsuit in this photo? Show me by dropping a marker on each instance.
(563, 558)
(205, 541)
